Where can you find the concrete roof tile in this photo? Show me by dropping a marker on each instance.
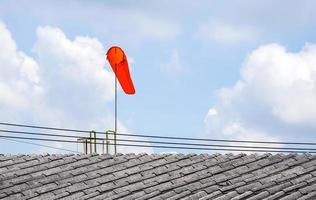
(160, 176)
(311, 195)
(242, 196)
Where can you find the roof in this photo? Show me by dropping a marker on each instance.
(158, 176)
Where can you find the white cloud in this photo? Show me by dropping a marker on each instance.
(80, 62)
(224, 125)
(287, 80)
(212, 112)
(228, 33)
(68, 85)
(19, 75)
(174, 66)
(276, 93)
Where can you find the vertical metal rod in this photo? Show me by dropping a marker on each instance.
(115, 122)
(90, 141)
(102, 146)
(107, 142)
(95, 141)
(107, 147)
(85, 146)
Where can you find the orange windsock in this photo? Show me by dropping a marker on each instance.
(119, 64)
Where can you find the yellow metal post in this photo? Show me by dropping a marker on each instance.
(115, 148)
(85, 148)
(90, 141)
(95, 141)
(85, 145)
(107, 141)
(102, 146)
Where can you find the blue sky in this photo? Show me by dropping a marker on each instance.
(216, 69)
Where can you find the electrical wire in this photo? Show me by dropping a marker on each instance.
(44, 127)
(158, 142)
(166, 147)
(42, 145)
(157, 136)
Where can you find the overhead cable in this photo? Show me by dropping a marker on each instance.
(157, 142)
(166, 147)
(157, 136)
(42, 145)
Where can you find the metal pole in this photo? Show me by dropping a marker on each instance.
(95, 141)
(90, 141)
(102, 146)
(107, 142)
(85, 147)
(115, 121)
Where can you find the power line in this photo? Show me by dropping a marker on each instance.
(43, 134)
(158, 142)
(44, 127)
(157, 136)
(166, 147)
(36, 144)
(212, 140)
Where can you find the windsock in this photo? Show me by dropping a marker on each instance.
(119, 64)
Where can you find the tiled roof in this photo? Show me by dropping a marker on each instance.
(158, 176)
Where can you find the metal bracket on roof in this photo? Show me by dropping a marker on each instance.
(84, 141)
(107, 141)
(92, 141)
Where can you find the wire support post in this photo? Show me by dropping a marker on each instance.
(94, 135)
(91, 141)
(84, 141)
(103, 147)
(107, 142)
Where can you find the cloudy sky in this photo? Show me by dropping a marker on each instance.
(215, 69)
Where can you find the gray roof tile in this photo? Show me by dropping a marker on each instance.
(292, 196)
(149, 195)
(213, 195)
(278, 187)
(242, 196)
(197, 195)
(158, 176)
(227, 196)
(275, 195)
(167, 194)
(259, 196)
(311, 195)
(180, 195)
(88, 196)
(294, 187)
(307, 189)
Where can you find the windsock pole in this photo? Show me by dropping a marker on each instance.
(117, 58)
(115, 112)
